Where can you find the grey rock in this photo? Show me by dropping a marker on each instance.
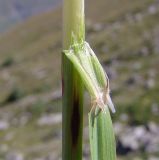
(3, 125)
(152, 9)
(153, 128)
(138, 137)
(130, 141)
(14, 156)
(152, 148)
(132, 137)
(150, 83)
(153, 158)
(118, 128)
(50, 119)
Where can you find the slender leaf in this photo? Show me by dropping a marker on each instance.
(102, 140)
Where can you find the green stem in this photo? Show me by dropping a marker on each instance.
(73, 18)
(72, 114)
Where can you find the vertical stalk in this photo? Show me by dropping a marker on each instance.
(72, 110)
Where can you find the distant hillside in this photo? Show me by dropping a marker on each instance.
(125, 35)
(12, 11)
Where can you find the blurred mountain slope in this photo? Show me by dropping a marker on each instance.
(124, 35)
(13, 11)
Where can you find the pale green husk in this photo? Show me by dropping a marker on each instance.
(102, 140)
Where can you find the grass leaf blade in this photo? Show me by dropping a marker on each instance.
(102, 140)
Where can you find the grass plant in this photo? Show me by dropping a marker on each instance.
(81, 67)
